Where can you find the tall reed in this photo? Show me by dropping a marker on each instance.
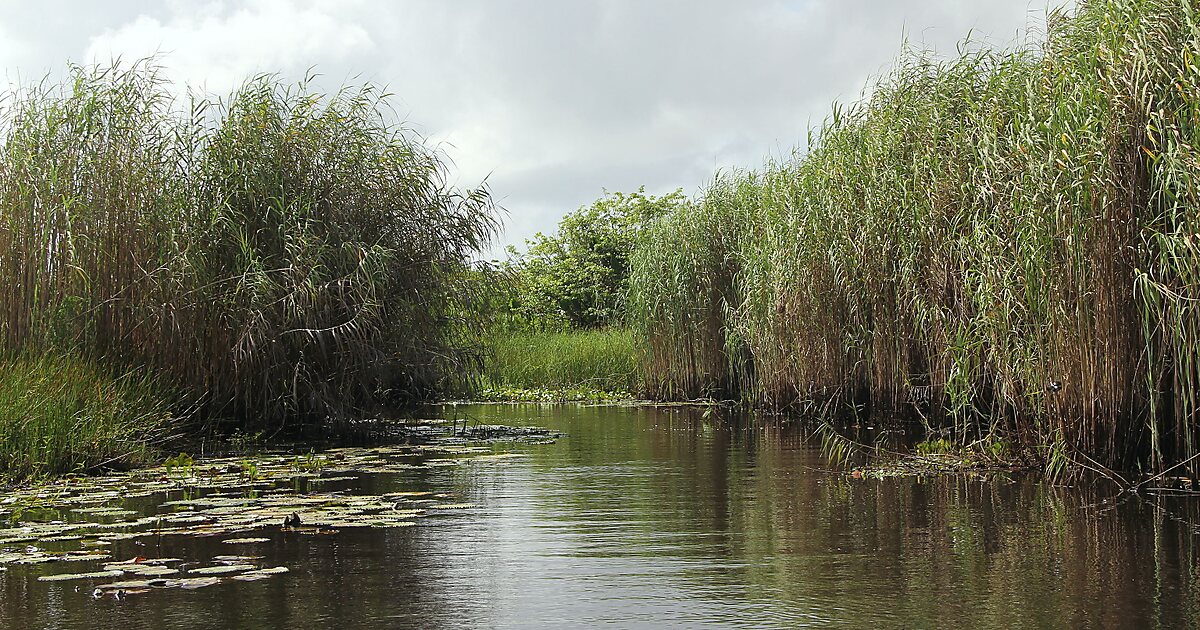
(1001, 242)
(282, 255)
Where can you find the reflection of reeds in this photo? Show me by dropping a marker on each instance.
(283, 254)
(975, 233)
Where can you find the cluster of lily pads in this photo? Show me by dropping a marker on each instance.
(76, 520)
(152, 573)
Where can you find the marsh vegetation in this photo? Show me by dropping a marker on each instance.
(277, 258)
(998, 245)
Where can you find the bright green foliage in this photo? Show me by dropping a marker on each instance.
(595, 360)
(498, 300)
(579, 275)
(62, 414)
(1004, 242)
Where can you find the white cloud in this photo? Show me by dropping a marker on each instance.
(12, 53)
(215, 47)
(557, 101)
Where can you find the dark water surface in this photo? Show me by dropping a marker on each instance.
(662, 518)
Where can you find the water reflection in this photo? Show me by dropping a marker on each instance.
(664, 517)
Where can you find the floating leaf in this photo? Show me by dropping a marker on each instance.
(193, 583)
(144, 570)
(62, 577)
(260, 574)
(127, 585)
(222, 569)
(140, 560)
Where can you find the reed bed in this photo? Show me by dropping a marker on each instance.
(62, 414)
(603, 360)
(280, 256)
(1001, 243)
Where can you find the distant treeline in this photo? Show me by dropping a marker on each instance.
(1006, 243)
(276, 257)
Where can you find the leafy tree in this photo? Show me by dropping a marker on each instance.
(577, 277)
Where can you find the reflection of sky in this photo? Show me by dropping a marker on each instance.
(577, 552)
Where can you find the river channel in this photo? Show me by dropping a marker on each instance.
(657, 518)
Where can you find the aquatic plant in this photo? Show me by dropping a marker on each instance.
(1000, 243)
(64, 524)
(183, 464)
(61, 414)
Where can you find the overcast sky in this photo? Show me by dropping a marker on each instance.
(553, 101)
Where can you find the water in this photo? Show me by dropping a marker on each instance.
(663, 518)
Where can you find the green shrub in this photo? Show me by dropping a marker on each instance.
(578, 277)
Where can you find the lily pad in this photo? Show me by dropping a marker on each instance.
(223, 569)
(142, 560)
(62, 577)
(126, 585)
(193, 583)
(260, 574)
(236, 559)
(147, 570)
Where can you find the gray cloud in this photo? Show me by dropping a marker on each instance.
(552, 101)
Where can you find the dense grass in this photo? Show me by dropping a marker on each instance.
(62, 414)
(577, 362)
(280, 256)
(1002, 243)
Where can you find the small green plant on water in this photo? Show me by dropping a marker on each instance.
(180, 465)
(249, 470)
(242, 440)
(309, 463)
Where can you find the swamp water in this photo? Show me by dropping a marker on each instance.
(631, 518)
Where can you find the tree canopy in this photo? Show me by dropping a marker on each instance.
(577, 276)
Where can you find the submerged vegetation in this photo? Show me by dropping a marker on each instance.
(1000, 244)
(280, 257)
